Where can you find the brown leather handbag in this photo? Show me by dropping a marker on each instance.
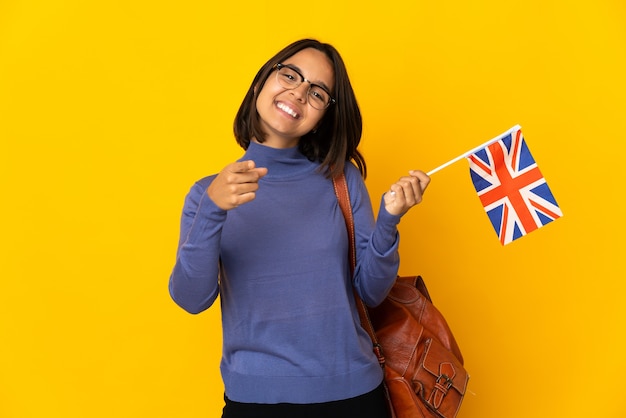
(424, 373)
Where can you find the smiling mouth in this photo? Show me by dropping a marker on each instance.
(288, 110)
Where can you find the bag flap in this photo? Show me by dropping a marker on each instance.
(442, 364)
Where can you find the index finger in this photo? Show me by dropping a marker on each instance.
(424, 179)
(241, 166)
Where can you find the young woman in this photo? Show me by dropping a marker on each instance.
(268, 236)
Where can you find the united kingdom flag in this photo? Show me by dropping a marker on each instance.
(513, 191)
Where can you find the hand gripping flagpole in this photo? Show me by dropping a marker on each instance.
(473, 150)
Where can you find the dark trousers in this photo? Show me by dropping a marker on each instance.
(369, 405)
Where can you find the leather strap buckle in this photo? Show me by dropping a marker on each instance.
(447, 381)
(443, 383)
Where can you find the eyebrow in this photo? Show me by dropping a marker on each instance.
(317, 83)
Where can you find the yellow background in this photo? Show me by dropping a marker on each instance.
(110, 110)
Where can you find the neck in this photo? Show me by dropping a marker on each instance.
(279, 143)
(281, 162)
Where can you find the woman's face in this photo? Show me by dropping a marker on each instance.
(285, 114)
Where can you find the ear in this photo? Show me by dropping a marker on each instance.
(319, 124)
(316, 127)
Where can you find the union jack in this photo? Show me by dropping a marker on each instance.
(511, 188)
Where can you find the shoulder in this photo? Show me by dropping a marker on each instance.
(197, 198)
(197, 190)
(205, 181)
(356, 186)
(353, 177)
(352, 173)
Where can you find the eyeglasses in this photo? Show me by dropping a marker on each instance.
(290, 78)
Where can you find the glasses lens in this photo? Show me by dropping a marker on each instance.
(318, 98)
(288, 78)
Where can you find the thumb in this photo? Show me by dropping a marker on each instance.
(261, 171)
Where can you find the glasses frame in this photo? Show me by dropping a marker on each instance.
(278, 66)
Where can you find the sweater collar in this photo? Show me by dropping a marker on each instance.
(280, 162)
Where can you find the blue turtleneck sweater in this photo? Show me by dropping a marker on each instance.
(291, 331)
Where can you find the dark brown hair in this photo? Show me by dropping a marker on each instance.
(338, 135)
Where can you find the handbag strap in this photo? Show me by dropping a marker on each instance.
(343, 197)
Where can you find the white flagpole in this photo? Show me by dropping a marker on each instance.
(473, 150)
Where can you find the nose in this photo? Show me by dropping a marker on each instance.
(301, 91)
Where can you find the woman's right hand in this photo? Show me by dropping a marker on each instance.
(236, 184)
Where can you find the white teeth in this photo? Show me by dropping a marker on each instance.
(287, 109)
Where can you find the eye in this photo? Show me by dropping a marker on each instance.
(288, 75)
(319, 95)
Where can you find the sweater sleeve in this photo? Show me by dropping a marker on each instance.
(377, 244)
(194, 283)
